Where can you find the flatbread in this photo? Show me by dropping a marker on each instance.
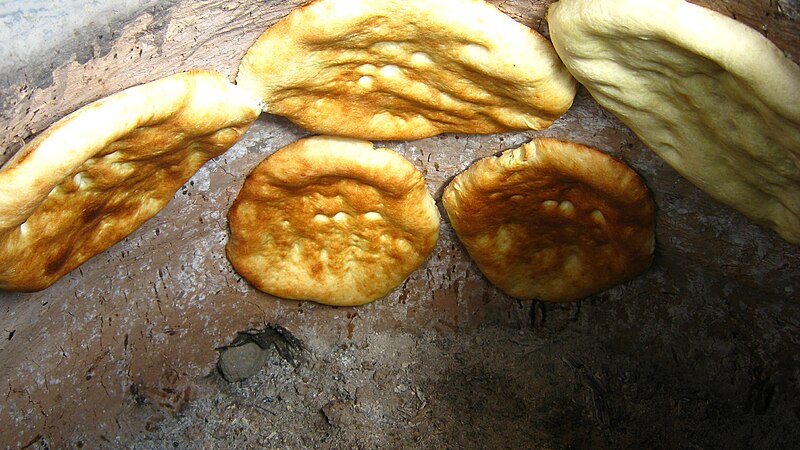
(714, 98)
(333, 220)
(553, 220)
(406, 69)
(96, 175)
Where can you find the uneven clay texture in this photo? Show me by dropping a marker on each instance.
(124, 344)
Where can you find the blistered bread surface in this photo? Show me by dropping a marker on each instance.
(333, 220)
(406, 69)
(553, 220)
(93, 177)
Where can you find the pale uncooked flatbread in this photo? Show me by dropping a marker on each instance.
(714, 98)
(553, 220)
(406, 69)
(333, 220)
(96, 175)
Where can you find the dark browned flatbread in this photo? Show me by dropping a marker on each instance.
(553, 220)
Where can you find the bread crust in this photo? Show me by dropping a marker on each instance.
(97, 174)
(332, 220)
(714, 98)
(553, 220)
(406, 69)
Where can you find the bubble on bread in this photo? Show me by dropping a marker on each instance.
(360, 221)
(404, 69)
(586, 222)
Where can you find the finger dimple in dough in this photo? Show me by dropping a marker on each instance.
(358, 220)
(553, 220)
(406, 69)
(94, 176)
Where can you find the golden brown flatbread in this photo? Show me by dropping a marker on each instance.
(333, 220)
(713, 97)
(406, 69)
(96, 175)
(553, 220)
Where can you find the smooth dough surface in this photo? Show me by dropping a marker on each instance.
(553, 220)
(713, 97)
(406, 69)
(332, 220)
(94, 176)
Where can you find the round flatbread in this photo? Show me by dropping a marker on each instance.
(96, 175)
(406, 69)
(333, 220)
(553, 220)
(713, 97)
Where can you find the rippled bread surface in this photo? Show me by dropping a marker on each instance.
(406, 69)
(553, 220)
(713, 97)
(96, 175)
(333, 220)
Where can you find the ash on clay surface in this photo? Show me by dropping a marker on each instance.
(492, 387)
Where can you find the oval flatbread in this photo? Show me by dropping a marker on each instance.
(406, 69)
(96, 175)
(714, 98)
(553, 220)
(333, 220)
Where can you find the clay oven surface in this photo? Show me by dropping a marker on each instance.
(701, 348)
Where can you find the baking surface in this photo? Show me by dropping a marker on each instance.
(130, 337)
